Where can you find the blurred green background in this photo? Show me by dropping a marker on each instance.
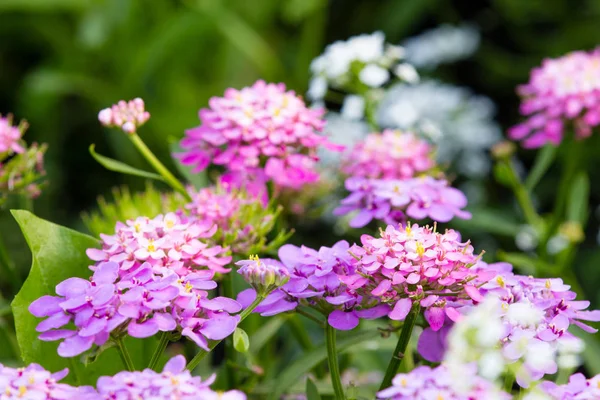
(61, 61)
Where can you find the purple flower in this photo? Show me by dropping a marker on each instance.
(35, 383)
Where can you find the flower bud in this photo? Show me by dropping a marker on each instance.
(264, 276)
(503, 150)
(125, 115)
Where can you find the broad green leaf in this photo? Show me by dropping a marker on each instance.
(58, 253)
(527, 264)
(294, 372)
(577, 202)
(198, 179)
(543, 161)
(118, 166)
(240, 340)
(312, 393)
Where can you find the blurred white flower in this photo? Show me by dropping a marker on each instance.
(524, 314)
(373, 75)
(317, 88)
(460, 123)
(445, 44)
(343, 131)
(527, 238)
(353, 107)
(407, 73)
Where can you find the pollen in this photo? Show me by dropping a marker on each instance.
(254, 257)
(22, 391)
(169, 224)
(188, 287)
(420, 249)
(151, 246)
(548, 284)
(500, 281)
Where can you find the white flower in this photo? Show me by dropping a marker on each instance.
(444, 44)
(460, 123)
(527, 238)
(373, 75)
(407, 73)
(568, 350)
(353, 107)
(317, 88)
(524, 314)
(367, 48)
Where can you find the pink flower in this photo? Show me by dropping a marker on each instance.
(255, 130)
(10, 137)
(561, 91)
(127, 115)
(389, 155)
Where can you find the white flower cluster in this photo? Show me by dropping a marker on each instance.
(459, 123)
(365, 59)
(444, 44)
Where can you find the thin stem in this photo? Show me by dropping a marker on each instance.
(509, 381)
(405, 334)
(125, 357)
(158, 166)
(160, 349)
(523, 198)
(308, 315)
(243, 315)
(8, 267)
(334, 368)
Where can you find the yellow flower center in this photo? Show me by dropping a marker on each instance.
(188, 287)
(420, 249)
(254, 257)
(548, 284)
(500, 281)
(151, 246)
(31, 380)
(22, 391)
(408, 229)
(169, 224)
(137, 227)
(403, 382)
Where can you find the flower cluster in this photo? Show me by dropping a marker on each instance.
(417, 266)
(10, 137)
(530, 317)
(315, 279)
(127, 115)
(152, 275)
(393, 200)
(34, 382)
(21, 167)
(174, 382)
(389, 155)
(578, 388)
(261, 132)
(561, 90)
(243, 222)
(364, 60)
(437, 383)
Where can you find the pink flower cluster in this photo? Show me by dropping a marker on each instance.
(315, 280)
(34, 382)
(174, 382)
(10, 137)
(416, 264)
(389, 155)
(561, 90)
(126, 115)
(578, 388)
(152, 275)
(393, 200)
(437, 383)
(262, 129)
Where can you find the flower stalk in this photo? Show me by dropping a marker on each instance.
(160, 349)
(401, 346)
(124, 354)
(334, 368)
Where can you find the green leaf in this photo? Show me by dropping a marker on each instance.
(240, 340)
(577, 202)
(294, 372)
(488, 220)
(198, 179)
(58, 253)
(266, 332)
(118, 166)
(312, 393)
(543, 161)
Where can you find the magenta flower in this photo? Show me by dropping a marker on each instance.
(437, 383)
(393, 201)
(389, 155)
(172, 241)
(561, 91)
(35, 383)
(417, 264)
(315, 282)
(126, 115)
(262, 129)
(174, 382)
(10, 137)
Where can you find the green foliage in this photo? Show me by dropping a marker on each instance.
(312, 393)
(125, 205)
(118, 166)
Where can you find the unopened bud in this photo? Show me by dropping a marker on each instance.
(264, 276)
(127, 115)
(503, 150)
(572, 231)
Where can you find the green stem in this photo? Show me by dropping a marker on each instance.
(401, 346)
(158, 166)
(8, 267)
(308, 315)
(160, 349)
(228, 291)
(125, 357)
(334, 368)
(243, 315)
(523, 198)
(509, 381)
